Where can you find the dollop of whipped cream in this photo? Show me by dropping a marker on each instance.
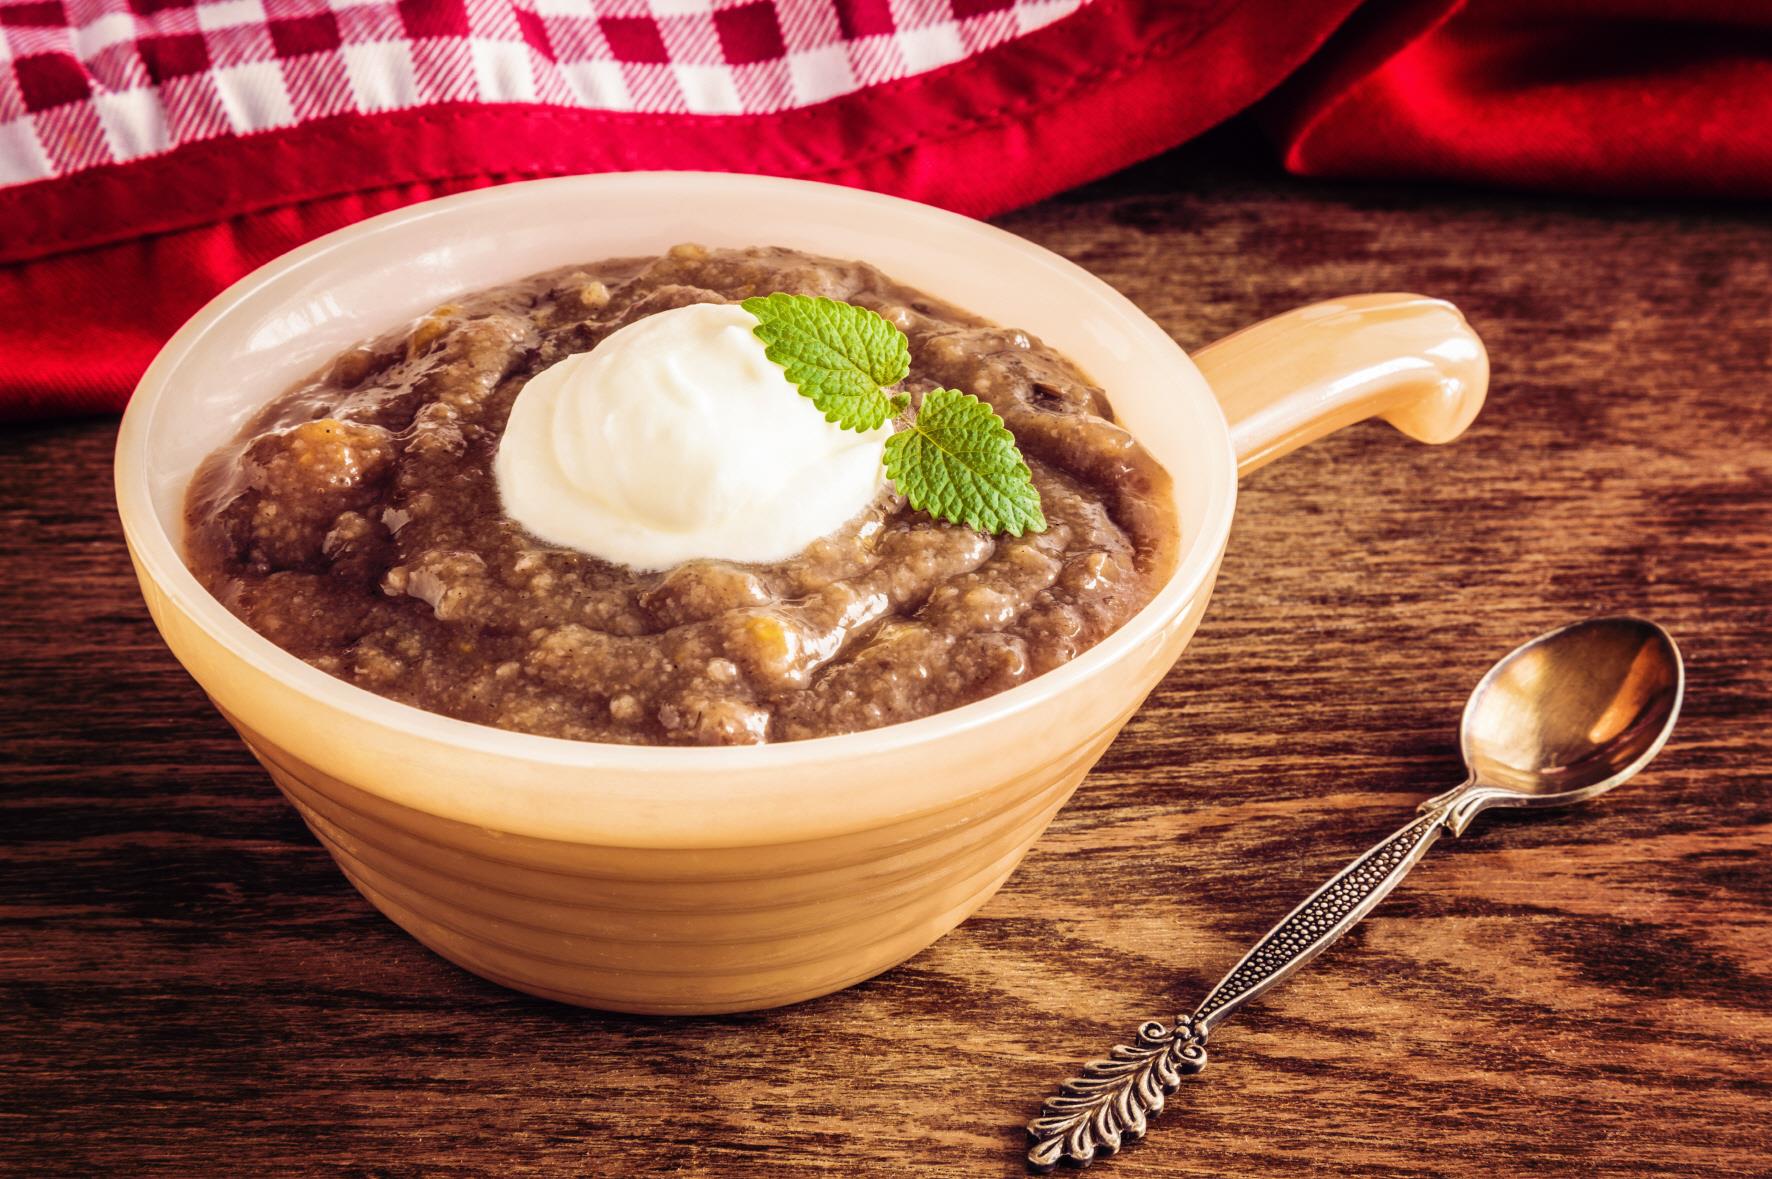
(676, 438)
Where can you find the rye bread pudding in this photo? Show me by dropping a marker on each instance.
(356, 523)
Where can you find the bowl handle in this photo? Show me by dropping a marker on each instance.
(1291, 379)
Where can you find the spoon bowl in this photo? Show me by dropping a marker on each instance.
(1574, 712)
(1566, 717)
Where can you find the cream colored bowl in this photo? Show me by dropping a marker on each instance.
(704, 880)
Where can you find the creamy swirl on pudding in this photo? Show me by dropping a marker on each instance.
(676, 438)
(358, 521)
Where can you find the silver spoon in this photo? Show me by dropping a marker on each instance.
(1563, 719)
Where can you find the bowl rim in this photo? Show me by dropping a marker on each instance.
(161, 556)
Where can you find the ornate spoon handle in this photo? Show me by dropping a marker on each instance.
(1112, 1103)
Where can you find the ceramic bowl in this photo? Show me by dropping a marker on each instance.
(704, 880)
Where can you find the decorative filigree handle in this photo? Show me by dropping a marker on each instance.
(1112, 1103)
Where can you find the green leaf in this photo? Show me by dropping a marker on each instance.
(839, 355)
(958, 462)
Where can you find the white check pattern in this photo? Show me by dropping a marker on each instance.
(91, 82)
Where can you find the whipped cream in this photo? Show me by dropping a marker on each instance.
(676, 438)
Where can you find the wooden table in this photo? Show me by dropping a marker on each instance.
(191, 988)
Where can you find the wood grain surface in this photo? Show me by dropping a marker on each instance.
(188, 986)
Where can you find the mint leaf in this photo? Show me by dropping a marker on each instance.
(839, 355)
(958, 462)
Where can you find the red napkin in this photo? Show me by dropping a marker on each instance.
(1625, 97)
(152, 151)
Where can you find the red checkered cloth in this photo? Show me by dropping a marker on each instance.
(97, 82)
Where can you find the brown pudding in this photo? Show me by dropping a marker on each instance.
(356, 523)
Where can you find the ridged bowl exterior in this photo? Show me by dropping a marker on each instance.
(642, 930)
